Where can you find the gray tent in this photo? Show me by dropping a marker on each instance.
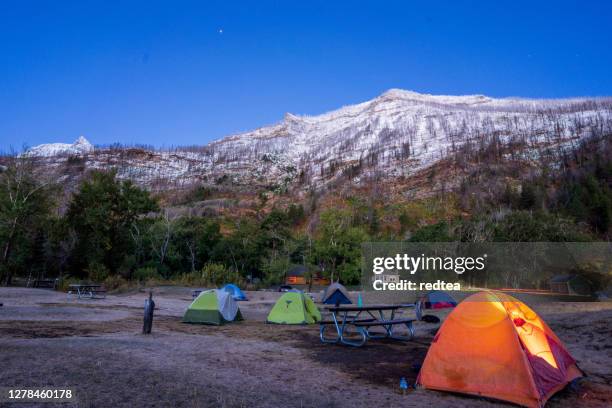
(336, 294)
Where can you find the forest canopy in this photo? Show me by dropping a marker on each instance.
(108, 229)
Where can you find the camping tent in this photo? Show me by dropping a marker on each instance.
(235, 291)
(294, 308)
(212, 307)
(336, 294)
(437, 299)
(495, 346)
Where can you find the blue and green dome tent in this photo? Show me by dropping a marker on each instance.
(213, 307)
(235, 291)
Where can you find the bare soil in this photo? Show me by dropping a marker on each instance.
(95, 347)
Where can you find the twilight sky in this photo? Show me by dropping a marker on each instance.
(177, 73)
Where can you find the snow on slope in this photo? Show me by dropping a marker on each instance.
(79, 147)
(426, 125)
(396, 133)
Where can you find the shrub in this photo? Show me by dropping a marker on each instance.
(218, 274)
(275, 270)
(74, 160)
(192, 279)
(295, 213)
(525, 226)
(200, 193)
(65, 283)
(164, 271)
(439, 232)
(529, 197)
(115, 282)
(127, 266)
(597, 279)
(96, 272)
(146, 273)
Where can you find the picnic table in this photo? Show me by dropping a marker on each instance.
(44, 283)
(363, 320)
(86, 290)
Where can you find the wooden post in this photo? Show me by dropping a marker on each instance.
(148, 314)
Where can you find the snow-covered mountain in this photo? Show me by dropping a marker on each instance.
(395, 135)
(428, 124)
(79, 147)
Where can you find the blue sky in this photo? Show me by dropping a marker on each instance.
(162, 73)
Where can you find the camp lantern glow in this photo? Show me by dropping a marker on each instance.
(532, 335)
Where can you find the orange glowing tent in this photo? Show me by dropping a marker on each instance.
(493, 345)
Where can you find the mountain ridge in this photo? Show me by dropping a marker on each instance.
(460, 101)
(395, 135)
(79, 147)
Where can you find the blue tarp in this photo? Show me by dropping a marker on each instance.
(235, 291)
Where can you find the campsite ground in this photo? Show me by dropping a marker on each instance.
(95, 346)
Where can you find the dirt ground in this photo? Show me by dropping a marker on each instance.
(95, 347)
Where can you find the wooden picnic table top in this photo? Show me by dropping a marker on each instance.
(355, 308)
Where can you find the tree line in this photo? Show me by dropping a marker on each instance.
(110, 229)
(113, 228)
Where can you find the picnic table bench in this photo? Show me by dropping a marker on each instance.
(44, 283)
(90, 291)
(343, 322)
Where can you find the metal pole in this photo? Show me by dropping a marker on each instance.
(148, 314)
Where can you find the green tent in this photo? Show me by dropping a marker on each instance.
(213, 307)
(294, 308)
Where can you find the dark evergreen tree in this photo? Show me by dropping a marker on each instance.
(101, 214)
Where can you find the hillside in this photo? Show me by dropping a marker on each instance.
(397, 138)
(402, 166)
